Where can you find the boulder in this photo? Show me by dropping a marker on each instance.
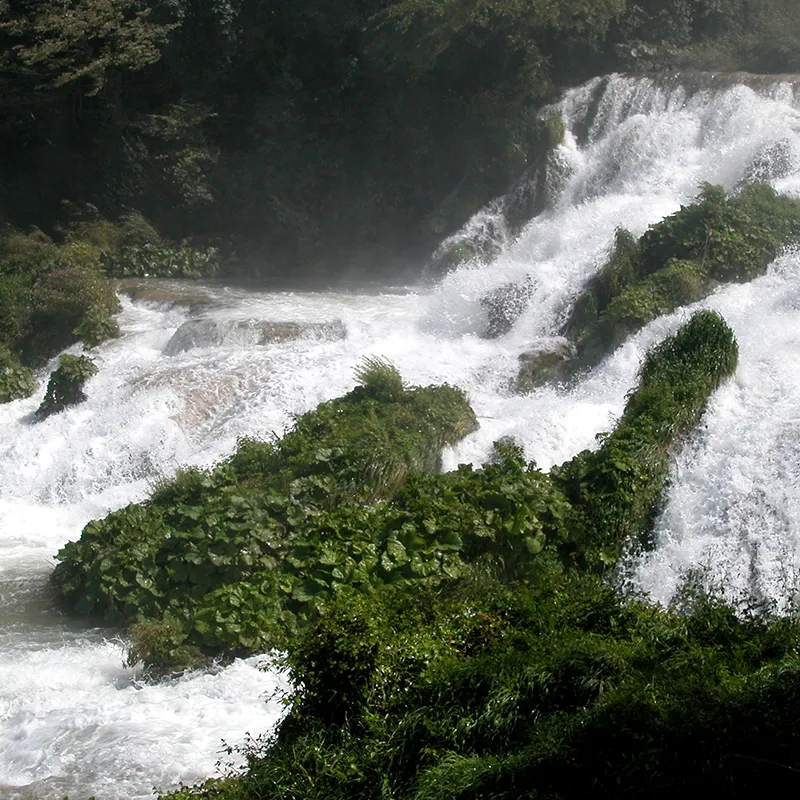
(248, 332)
(546, 361)
(504, 306)
(165, 293)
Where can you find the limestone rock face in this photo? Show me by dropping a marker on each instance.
(206, 332)
(546, 361)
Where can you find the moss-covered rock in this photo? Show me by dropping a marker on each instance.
(52, 296)
(613, 490)
(546, 362)
(680, 260)
(71, 299)
(65, 387)
(504, 306)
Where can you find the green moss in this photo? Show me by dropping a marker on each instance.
(614, 490)
(71, 296)
(452, 255)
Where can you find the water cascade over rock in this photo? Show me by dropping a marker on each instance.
(74, 720)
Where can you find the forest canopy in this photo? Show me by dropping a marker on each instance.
(311, 136)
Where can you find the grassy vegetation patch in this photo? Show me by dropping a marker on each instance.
(239, 556)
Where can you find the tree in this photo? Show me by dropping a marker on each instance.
(57, 43)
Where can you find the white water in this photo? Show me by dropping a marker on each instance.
(74, 720)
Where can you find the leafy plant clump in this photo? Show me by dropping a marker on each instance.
(65, 387)
(614, 489)
(242, 557)
(547, 690)
(52, 296)
(718, 238)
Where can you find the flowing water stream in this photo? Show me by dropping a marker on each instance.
(74, 720)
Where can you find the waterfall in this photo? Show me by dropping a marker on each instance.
(74, 719)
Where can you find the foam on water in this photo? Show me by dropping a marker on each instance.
(74, 720)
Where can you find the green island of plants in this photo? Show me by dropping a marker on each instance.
(242, 557)
(716, 239)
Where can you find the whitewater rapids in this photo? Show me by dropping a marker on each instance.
(74, 720)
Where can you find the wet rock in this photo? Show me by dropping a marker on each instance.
(775, 161)
(545, 362)
(165, 293)
(247, 333)
(504, 306)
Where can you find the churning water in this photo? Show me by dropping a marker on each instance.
(74, 720)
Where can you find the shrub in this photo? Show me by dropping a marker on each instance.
(16, 381)
(71, 297)
(162, 260)
(247, 552)
(679, 260)
(65, 387)
(614, 489)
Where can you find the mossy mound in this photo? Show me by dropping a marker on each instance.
(53, 295)
(613, 491)
(680, 260)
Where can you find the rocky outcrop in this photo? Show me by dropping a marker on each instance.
(248, 332)
(504, 306)
(165, 293)
(547, 361)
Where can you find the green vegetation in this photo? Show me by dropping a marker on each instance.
(16, 381)
(235, 558)
(52, 295)
(65, 387)
(243, 557)
(615, 489)
(56, 292)
(679, 260)
(557, 689)
(520, 674)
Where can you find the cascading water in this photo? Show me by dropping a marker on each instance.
(74, 720)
